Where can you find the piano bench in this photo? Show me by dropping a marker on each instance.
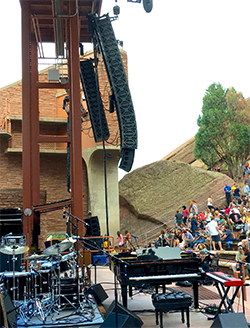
(171, 301)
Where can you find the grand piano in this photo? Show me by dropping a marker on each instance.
(156, 267)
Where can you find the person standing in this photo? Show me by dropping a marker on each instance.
(237, 194)
(212, 228)
(127, 238)
(194, 224)
(246, 190)
(120, 238)
(227, 190)
(185, 214)
(178, 218)
(193, 208)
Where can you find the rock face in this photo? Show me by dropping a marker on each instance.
(150, 195)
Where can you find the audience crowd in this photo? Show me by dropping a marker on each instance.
(200, 231)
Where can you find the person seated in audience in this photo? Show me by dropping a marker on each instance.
(226, 234)
(238, 257)
(188, 237)
(201, 247)
(200, 237)
(246, 259)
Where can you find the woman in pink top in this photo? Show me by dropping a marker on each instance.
(120, 238)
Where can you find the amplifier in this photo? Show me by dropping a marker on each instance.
(13, 240)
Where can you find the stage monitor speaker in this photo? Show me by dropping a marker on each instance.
(8, 313)
(230, 320)
(98, 292)
(94, 101)
(105, 39)
(126, 318)
(93, 227)
(122, 321)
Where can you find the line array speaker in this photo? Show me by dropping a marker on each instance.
(94, 101)
(104, 37)
(127, 159)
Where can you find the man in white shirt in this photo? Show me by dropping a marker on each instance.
(213, 229)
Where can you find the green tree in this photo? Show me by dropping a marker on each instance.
(224, 130)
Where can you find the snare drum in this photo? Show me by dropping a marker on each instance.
(48, 265)
(22, 284)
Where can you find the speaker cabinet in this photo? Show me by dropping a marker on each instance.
(94, 101)
(93, 228)
(230, 320)
(7, 311)
(126, 318)
(98, 292)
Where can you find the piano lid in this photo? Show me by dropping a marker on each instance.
(164, 253)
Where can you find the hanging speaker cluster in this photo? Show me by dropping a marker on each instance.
(94, 101)
(104, 37)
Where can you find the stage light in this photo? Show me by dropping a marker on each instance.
(116, 10)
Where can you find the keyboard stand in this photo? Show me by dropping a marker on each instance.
(225, 300)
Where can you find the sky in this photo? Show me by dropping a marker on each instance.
(174, 54)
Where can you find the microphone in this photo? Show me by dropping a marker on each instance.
(64, 214)
(134, 236)
(86, 224)
(90, 265)
(67, 222)
(75, 237)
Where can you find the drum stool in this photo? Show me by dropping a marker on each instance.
(171, 301)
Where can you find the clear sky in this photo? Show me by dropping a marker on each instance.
(174, 53)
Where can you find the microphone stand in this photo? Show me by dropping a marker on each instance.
(76, 229)
(136, 240)
(130, 243)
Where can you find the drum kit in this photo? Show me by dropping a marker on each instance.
(51, 283)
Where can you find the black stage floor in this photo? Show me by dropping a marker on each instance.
(40, 314)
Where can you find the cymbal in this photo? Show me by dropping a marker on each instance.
(17, 248)
(34, 257)
(57, 248)
(70, 239)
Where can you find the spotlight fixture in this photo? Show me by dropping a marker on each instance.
(148, 5)
(116, 10)
(64, 80)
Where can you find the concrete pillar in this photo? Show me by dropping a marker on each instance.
(95, 170)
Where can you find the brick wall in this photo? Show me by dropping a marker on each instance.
(53, 168)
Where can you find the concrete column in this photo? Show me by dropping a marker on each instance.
(95, 170)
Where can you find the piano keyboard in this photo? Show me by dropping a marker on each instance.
(167, 277)
(225, 279)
